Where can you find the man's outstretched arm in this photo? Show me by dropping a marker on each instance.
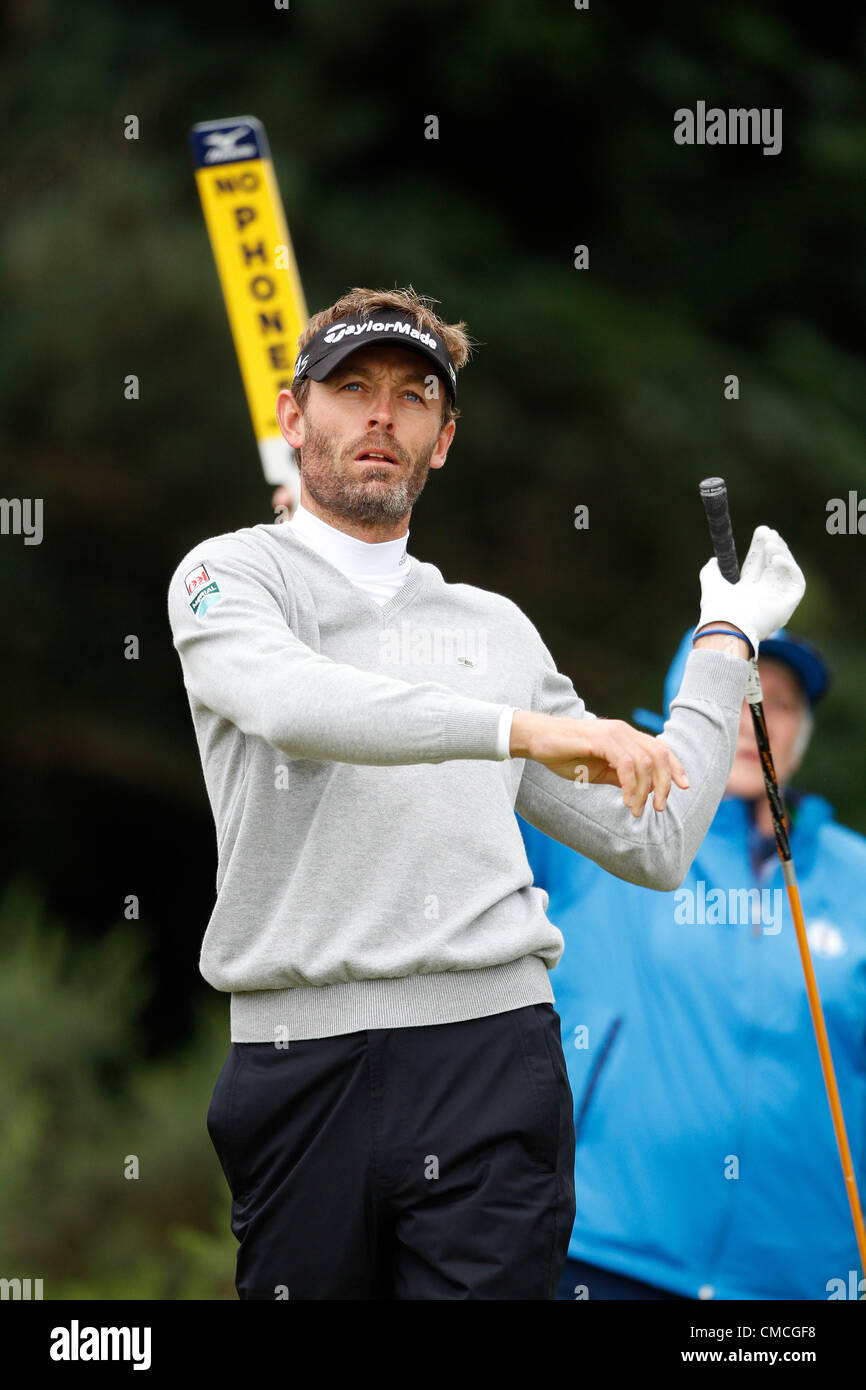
(648, 826)
(686, 768)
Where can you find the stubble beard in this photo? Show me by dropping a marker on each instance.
(377, 497)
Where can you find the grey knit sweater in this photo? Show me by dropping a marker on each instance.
(371, 870)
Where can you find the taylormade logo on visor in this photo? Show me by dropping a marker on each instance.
(342, 330)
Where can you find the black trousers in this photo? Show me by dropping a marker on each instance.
(401, 1163)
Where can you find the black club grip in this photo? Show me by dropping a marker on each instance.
(714, 495)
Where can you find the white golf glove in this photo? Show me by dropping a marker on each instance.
(770, 586)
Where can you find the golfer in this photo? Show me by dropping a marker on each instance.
(394, 1117)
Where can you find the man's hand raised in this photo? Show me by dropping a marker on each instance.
(605, 751)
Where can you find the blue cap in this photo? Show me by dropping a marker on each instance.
(801, 656)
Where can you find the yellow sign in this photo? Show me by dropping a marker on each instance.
(257, 270)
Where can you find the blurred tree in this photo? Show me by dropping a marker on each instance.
(78, 1099)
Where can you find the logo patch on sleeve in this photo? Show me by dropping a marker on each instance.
(204, 592)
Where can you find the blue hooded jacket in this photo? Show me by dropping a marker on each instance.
(706, 1161)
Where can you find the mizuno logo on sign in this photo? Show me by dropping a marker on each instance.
(223, 145)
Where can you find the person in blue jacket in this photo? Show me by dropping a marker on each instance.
(706, 1165)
